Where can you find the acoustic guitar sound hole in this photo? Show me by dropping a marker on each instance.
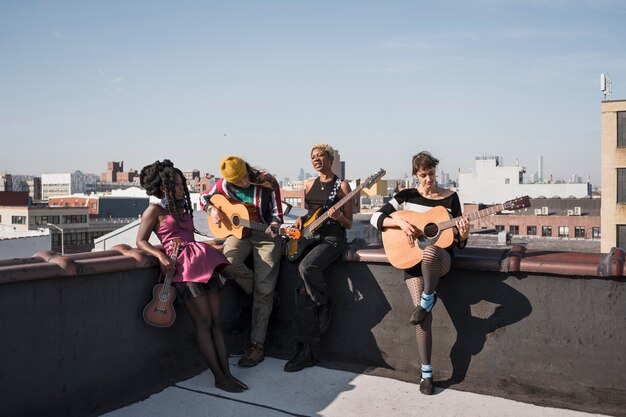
(236, 220)
(431, 230)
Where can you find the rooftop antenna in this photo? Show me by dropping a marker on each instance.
(605, 86)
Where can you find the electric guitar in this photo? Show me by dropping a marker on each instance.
(435, 227)
(160, 311)
(237, 218)
(301, 240)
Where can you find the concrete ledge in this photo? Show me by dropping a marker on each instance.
(48, 264)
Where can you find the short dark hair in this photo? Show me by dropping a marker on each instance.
(424, 160)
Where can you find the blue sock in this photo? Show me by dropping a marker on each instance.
(427, 371)
(428, 301)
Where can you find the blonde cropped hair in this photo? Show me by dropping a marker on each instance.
(324, 147)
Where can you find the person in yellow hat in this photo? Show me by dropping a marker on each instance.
(242, 183)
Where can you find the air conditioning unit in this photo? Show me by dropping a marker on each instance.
(577, 211)
(544, 211)
(537, 212)
(570, 212)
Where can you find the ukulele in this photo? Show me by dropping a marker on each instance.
(435, 227)
(160, 311)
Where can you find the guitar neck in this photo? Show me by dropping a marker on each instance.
(167, 281)
(253, 225)
(472, 216)
(321, 219)
(257, 225)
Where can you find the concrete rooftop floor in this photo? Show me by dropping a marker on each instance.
(324, 392)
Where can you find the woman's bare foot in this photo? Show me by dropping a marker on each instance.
(238, 382)
(228, 385)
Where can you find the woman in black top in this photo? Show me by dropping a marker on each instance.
(312, 303)
(423, 278)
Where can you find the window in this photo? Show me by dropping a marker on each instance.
(507, 180)
(18, 219)
(514, 229)
(546, 231)
(563, 231)
(595, 232)
(621, 129)
(43, 220)
(621, 185)
(531, 230)
(75, 218)
(294, 201)
(499, 228)
(579, 231)
(621, 236)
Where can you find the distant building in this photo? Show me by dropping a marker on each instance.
(104, 207)
(613, 172)
(22, 244)
(570, 218)
(115, 177)
(64, 184)
(34, 188)
(193, 180)
(79, 228)
(338, 168)
(492, 183)
(6, 184)
(113, 168)
(205, 183)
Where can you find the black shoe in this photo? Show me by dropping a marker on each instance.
(426, 386)
(419, 314)
(303, 359)
(325, 313)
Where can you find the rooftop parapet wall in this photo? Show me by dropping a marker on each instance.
(48, 264)
(536, 326)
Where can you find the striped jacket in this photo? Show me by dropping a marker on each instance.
(267, 201)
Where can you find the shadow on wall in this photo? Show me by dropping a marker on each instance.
(486, 309)
(359, 305)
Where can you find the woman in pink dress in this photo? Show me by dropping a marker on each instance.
(195, 266)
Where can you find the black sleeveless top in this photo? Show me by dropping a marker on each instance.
(316, 198)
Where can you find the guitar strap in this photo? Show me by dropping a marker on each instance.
(332, 195)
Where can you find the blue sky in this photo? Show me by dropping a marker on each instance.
(86, 82)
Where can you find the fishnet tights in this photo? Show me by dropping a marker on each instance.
(435, 264)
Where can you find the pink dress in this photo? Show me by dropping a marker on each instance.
(196, 261)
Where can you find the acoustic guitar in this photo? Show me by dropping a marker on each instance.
(237, 218)
(160, 311)
(302, 240)
(435, 227)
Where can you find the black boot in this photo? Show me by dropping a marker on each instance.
(303, 359)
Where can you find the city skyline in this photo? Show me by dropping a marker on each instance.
(87, 83)
(529, 176)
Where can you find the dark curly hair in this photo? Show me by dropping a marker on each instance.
(261, 178)
(159, 180)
